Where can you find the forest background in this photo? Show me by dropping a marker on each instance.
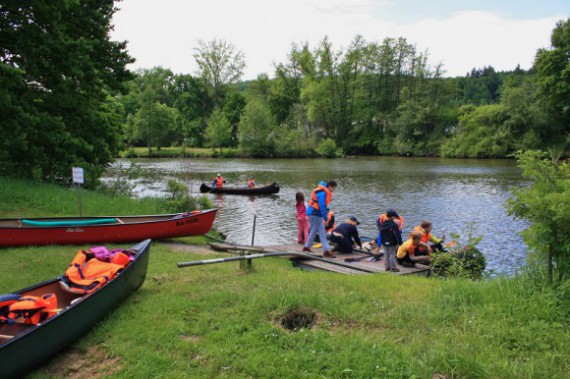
(68, 99)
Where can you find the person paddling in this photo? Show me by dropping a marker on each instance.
(251, 183)
(317, 212)
(218, 181)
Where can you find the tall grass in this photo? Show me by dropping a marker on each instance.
(217, 321)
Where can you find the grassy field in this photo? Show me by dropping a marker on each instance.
(175, 152)
(218, 321)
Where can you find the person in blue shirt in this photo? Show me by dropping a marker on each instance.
(346, 235)
(317, 211)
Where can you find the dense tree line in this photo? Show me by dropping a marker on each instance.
(67, 99)
(368, 98)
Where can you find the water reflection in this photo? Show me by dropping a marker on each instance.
(450, 192)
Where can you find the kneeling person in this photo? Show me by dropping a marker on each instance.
(346, 235)
(406, 255)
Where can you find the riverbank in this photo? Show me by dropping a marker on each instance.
(216, 321)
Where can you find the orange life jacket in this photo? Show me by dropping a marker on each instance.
(314, 202)
(219, 182)
(425, 235)
(383, 218)
(251, 183)
(5, 302)
(327, 223)
(86, 273)
(33, 309)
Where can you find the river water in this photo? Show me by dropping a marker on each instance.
(452, 193)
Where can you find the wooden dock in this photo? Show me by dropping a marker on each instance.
(361, 262)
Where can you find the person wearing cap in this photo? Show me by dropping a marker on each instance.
(431, 242)
(391, 239)
(218, 181)
(317, 212)
(399, 220)
(346, 236)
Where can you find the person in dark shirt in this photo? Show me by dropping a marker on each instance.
(391, 239)
(346, 235)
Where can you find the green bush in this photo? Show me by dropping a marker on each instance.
(462, 260)
(328, 149)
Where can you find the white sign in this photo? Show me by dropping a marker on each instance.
(77, 175)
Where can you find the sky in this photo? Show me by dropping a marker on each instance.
(460, 34)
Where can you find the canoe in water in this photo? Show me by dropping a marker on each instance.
(266, 190)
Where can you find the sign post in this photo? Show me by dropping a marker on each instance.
(77, 173)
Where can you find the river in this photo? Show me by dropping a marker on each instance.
(452, 193)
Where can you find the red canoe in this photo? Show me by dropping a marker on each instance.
(82, 230)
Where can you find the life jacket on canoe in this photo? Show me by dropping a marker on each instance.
(314, 201)
(87, 273)
(5, 302)
(31, 309)
(251, 183)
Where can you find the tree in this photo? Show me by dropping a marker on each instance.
(155, 123)
(219, 130)
(553, 77)
(256, 127)
(57, 69)
(546, 204)
(219, 64)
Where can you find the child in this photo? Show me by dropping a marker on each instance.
(391, 239)
(302, 220)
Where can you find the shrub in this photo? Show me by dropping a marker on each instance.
(463, 260)
(328, 149)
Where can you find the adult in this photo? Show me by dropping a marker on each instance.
(346, 236)
(407, 254)
(251, 183)
(218, 181)
(431, 242)
(317, 213)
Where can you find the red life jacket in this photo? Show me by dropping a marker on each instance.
(251, 183)
(86, 273)
(314, 202)
(219, 182)
(33, 309)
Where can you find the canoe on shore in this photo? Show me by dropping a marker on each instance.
(25, 346)
(116, 229)
(266, 190)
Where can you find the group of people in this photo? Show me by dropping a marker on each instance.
(315, 219)
(219, 182)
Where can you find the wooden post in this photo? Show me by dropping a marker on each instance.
(248, 264)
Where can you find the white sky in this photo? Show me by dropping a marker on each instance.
(460, 34)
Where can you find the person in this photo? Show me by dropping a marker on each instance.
(383, 217)
(251, 183)
(302, 220)
(391, 239)
(218, 181)
(317, 212)
(406, 255)
(346, 235)
(330, 224)
(431, 242)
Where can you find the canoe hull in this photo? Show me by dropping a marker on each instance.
(266, 190)
(40, 342)
(134, 228)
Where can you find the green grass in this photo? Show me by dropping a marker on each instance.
(173, 152)
(217, 321)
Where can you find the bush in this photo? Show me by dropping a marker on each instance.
(463, 260)
(180, 201)
(328, 149)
